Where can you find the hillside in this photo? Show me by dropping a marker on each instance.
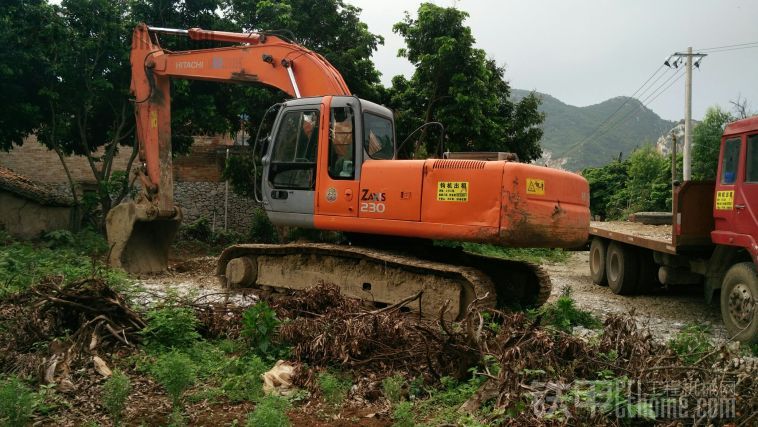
(568, 127)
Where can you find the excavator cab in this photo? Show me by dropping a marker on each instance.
(317, 145)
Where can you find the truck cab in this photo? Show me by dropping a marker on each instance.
(735, 207)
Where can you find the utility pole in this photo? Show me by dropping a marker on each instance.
(673, 158)
(687, 167)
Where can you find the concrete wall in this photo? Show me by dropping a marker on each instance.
(26, 219)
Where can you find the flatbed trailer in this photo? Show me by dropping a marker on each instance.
(712, 241)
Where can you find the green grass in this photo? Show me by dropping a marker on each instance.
(333, 387)
(271, 411)
(534, 255)
(564, 315)
(441, 407)
(61, 253)
(17, 402)
(692, 343)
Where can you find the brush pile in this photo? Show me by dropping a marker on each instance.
(53, 329)
(533, 372)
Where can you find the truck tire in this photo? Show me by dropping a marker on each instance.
(739, 292)
(622, 267)
(648, 280)
(598, 249)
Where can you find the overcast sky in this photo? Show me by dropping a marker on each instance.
(586, 51)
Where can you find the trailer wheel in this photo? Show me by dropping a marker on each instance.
(739, 292)
(622, 267)
(598, 249)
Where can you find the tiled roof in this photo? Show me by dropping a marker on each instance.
(17, 184)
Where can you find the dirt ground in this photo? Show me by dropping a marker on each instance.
(665, 312)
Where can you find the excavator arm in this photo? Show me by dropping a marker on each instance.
(139, 233)
(259, 59)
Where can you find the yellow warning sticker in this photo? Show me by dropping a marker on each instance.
(535, 186)
(154, 119)
(725, 200)
(452, 191)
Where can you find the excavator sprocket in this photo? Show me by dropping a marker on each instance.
(388, 277)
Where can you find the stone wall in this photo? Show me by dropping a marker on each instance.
(206, 199)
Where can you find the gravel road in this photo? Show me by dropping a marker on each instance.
(665, 312)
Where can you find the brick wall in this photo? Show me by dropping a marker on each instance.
(204, 162)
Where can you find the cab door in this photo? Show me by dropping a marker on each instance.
(289, 168)
(339, 159)
(746, 196)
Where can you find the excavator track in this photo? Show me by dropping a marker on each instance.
(388, 276)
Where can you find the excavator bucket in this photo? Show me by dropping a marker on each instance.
(139, 238)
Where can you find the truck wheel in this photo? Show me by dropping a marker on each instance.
(739, 292)
(648, 271)
(598, 249)
(622, 267)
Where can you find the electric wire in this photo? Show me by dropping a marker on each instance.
(711, 52)
(643, 104)
(624, 103)
(728, 46)
(599, 131)
(663, 87)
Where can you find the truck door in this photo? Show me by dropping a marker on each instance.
(726, 184)
(339, 159)
(290, 168)
(746, 196)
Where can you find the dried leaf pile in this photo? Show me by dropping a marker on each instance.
(57, 328)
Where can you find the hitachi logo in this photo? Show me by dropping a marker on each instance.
(189, 64)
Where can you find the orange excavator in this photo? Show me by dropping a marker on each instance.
(330, 163)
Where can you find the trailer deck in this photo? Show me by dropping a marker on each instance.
(655, 237)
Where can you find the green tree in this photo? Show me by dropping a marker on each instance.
(331, 28)
(454, 83)
(649, 185)
(68, 77)
(706, 142)
(606, 182)
(24, 66)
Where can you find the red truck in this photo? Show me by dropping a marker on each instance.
(713, 239)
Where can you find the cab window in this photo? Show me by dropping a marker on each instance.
(341, 143)
(293, 161)
(751, 174)
(378, 137)
(730, 161)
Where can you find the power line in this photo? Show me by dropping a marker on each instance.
(729, 45)
(648, 100)
(731, 49)
(597, 129)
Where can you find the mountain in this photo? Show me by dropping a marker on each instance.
(572, 142)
